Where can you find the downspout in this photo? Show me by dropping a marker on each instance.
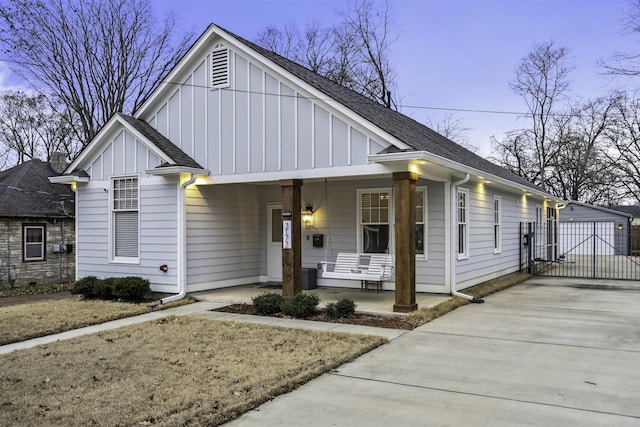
(182, 243)
(454, 255)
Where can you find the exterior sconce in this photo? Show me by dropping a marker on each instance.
(619, 226)
(307, 215)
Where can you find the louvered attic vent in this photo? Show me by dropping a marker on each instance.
(219, 68)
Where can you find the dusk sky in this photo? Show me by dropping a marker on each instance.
(451, 54)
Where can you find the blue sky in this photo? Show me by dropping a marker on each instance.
(457, 54)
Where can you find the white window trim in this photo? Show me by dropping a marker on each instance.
(42, 244)
(424, 220)
(112, 247)
(497, 222)
(465, 254)
(391, 221)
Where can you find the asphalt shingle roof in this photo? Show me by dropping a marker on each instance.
(169, 148)
(630, 209)
(25, 191)
(407, 130)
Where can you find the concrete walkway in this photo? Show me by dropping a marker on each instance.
(203, 309)
(546, 352)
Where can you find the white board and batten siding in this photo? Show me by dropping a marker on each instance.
(258, 124)
(125, 155)
(484, 263)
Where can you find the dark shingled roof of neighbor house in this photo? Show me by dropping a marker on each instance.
(407, 130)
(25, 191)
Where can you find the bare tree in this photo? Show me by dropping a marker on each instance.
(542, 82)
(354, 53)
(31, 129)
(625, 63)
(624, 145)
(582, 170)
(454, 129)
(99, 57)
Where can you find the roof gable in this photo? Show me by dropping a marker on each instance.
(25, 191)
(128, 145)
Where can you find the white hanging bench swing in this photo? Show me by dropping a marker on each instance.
(368, 268)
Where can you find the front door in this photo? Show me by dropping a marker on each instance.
(274, 242)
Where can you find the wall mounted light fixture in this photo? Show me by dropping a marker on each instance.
(307, 215)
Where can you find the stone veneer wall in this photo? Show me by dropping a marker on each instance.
(58, 267)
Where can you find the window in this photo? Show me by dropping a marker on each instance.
(33, 238)
(497, 219)
(374, 220)
(125, 218)
(463, 229)
(219, 67)
(421, 221)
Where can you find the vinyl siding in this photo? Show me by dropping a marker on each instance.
(223, 233)
(158, 232)
(483, 263)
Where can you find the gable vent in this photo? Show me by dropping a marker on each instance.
(219, 68)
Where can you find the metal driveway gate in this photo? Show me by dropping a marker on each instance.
(597, 250)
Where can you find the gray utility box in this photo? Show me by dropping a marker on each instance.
(309, 278)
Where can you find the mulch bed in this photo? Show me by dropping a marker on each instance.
(363, 319)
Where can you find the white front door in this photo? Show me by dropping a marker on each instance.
(274, 242)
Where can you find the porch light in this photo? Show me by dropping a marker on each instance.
(619, 226)
(307, 215)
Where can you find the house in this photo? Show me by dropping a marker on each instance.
(38, 228)
(204, 186)
(633, 210)
(587, 229)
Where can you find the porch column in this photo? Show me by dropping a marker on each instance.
(404, 184)
(291, 237)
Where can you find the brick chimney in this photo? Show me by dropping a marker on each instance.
(58, 162)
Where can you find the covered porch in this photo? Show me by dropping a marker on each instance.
(367, 302)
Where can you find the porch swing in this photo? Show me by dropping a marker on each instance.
(368, 268)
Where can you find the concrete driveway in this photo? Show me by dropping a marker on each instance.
(549, 351)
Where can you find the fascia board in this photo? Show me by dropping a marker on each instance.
(455, 166)
(67, 179)
(176, 170)
(312, 93)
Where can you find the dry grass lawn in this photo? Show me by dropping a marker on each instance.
(24, 321)
(174, 371)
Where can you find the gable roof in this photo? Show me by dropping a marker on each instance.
(611, 210)
(176, 159)
(179, 157)
(414, 134)
(25, 191)
(633, 210)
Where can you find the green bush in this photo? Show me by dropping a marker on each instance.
(343, 308)
(125, 288)
(86, 287)
(130, 288)
(103, 289)
(301, 305)
(268, 303)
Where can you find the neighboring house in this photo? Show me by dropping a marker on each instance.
(633, 210)
(587, 230)
(201, 187)
(37, 225)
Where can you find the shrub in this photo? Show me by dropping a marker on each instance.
(130, 288)
(343, 308)
(268, 303)
(86, 287)
(301, 305)
(103, 289)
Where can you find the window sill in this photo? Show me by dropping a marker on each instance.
(463, 257)
(125, 261)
